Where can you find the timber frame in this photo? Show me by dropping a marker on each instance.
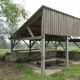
(48, 25)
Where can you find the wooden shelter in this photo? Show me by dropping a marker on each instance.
(47, 24)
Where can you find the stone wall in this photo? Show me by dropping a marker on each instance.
(72, 55)
(25, 55)
(37, 55)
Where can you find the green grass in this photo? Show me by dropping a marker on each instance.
(3, 52)
(66, 74)
(69, 74)
(28, 74)
(71, 48)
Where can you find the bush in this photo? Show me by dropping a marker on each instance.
(2, 56)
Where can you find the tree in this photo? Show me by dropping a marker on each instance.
(10, 15)
(3, 44)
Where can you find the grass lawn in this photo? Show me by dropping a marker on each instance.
(28, 74)
(71, 48)
(70, 74)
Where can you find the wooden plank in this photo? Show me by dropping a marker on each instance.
(55, 23)
(64, 25)
(78, 28)
(59, 25)
(49, 22)
(45, 21)
(29, 38)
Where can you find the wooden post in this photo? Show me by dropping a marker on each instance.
(56, 47)
(42, 45)
(67, 54)
(11, 50)
(30, 48)
(43, 55)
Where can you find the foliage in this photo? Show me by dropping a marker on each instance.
(10, 15)
(11, 11)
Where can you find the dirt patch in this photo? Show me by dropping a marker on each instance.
(7, 71)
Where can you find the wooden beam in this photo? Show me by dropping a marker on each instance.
(36, 17)
(29, 49)
(43, 55)
(47, 43)
(11, 50)
(29, 38)
(67, 54)
(42, 45)
(53, 43)
(75, 43)
(32, 44)
(35, 26)
(57, 45)
(61, 45)
(26, 43)
(33, 38)
(15, 43)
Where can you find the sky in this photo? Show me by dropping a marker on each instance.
(71, 7)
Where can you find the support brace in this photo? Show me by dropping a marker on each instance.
(61, 45)
(26, 43)
(47, 43)
(75, 43)
(33, 38)
(53, 43)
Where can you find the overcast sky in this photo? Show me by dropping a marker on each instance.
(71, 7)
